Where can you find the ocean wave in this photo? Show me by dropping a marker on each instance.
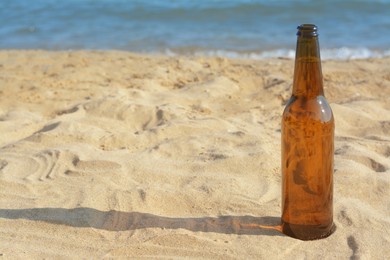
(343, 53)
(353, 53)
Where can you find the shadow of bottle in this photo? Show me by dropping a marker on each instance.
(121, 221)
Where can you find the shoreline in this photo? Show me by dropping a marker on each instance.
(333, 54)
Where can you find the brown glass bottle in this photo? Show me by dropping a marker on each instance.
(307, 147)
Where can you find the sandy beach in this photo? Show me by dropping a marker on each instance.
(109, 154)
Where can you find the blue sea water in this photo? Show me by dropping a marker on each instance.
(241, 28)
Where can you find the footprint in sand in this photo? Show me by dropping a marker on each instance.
(354, 247)
(3, 164)
(39, 166)
(136, 116)
(344, 218)
(81, 167)
(377, 150)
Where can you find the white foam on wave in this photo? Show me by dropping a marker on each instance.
(343, 53)
(353, 53)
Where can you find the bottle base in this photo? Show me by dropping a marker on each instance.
(307, 232)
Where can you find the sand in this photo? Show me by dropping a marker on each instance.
(113, 154)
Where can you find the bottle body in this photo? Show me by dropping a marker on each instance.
(307, 150)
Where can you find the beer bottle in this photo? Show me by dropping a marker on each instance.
(307, 147)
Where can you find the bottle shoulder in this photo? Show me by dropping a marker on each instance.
(302, 108)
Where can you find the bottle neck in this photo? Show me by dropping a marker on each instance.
(307, 73)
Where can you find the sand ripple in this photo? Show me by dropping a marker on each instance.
(111, 154)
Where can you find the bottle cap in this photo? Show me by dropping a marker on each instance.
(307, 30)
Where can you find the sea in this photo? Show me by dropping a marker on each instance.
(254, 29)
